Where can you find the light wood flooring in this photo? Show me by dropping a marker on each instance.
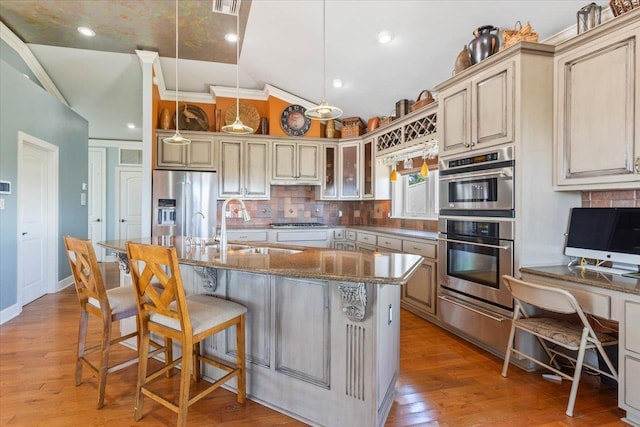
(444, 381)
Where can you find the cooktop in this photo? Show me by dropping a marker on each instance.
(296, 224)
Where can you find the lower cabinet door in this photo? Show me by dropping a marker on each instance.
(419, 294)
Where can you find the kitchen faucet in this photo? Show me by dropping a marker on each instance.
(223, 224)
(190, 239)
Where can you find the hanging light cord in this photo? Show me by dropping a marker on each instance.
(324, 51)
(177, 122)
(238, 66)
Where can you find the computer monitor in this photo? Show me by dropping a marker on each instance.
(605, 234)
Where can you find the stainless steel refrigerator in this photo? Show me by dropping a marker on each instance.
(184, 203)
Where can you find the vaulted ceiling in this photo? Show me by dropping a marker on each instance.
(282, 46)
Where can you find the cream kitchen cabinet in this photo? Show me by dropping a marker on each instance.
(296, 163)
(367, 171)
(244, 169)
(477, 112)
(328, 189)
(419, 294)
(200, 154)
(597, 108)
(349, 167)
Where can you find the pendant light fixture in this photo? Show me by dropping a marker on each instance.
(237, 127)
(177, 139)
(394, 173)
(324, 111)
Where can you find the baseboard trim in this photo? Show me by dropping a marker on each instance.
(10, 313)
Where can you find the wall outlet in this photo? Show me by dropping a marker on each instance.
(339, 214)
(1, 204)
(83, 199)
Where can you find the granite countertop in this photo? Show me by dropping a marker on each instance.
(587, 277)
(305, 262)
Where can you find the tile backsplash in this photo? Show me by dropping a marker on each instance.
(297, 203)
(611, 199)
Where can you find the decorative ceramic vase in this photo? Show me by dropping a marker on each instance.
(484, 45)
(264, 126)
(330, 129)
(462, 61)
(165, 119)
(218, 120)
(373, 124)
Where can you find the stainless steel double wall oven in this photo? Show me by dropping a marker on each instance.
(476, 233)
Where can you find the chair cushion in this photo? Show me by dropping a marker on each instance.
(121, 299)
(205, 313)
(562, 331)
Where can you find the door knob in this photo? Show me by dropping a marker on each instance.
(123, 220)
(98, 220)
(24, 234)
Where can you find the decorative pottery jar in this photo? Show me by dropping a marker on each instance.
(485, 44)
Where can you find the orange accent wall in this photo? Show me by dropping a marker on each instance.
(271, 109)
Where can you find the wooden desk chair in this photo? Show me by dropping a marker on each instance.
(165, 310)
(554, 332)
(108, 306)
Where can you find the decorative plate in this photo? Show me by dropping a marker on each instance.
(248, 114)
(192, 117)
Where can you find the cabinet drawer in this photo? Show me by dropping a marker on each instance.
(390, 243)
(631, 319)
(368, 238)
(247, 236)
(338, 234)
(301, 236)
(351, 235)
(427, 250)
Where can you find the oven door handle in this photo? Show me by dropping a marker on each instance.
(474, 175)
(504, 248)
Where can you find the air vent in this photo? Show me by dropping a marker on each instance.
(228, 7)
(130, 157)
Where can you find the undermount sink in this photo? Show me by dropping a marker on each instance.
(246, 249)
(263, 250)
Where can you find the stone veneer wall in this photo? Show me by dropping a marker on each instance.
(297, 203)
(613, 199)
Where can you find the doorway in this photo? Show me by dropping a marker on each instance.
(37, 199)
(97, 199)
(128, 203)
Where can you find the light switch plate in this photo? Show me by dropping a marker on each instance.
(84, 186)
(83, 199)
(1, 204)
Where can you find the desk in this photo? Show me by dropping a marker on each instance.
(611, 297)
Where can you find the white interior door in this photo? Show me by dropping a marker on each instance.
(97, 199)
(37, 218)
(129, 203)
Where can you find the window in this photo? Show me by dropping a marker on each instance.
(414, 196)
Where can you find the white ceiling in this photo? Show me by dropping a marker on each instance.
(283, 48)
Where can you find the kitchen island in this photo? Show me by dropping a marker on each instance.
(322, 324)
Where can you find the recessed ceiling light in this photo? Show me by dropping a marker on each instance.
(231, 37)
(86, 31)
(131, 126)
(385, 36)
(337, 83)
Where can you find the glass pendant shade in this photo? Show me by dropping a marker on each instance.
(177, 139)
(394, 175)
(237, 127)
(324, 111)
(424, 169)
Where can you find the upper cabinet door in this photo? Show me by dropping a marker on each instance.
(597, 104)
(492, 107)
(230, 176)
(454, 119)
(478, 112)
(256, 170)
(296, 163)
(201, 154)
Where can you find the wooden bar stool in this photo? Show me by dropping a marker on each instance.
(165, 309)
(108, 306)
